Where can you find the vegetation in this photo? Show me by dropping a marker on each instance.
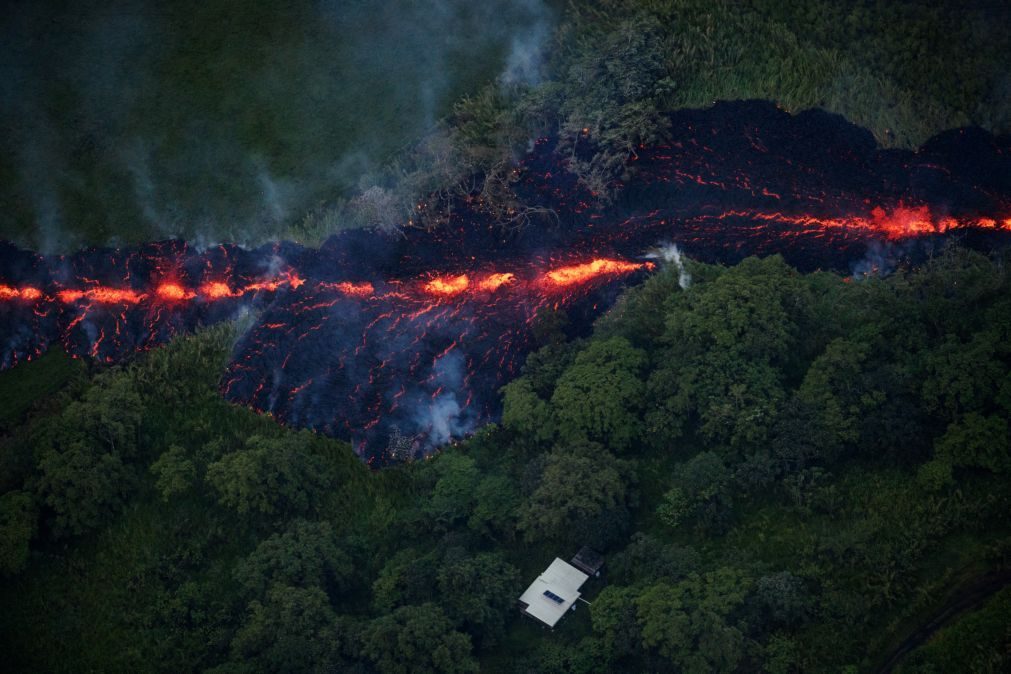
(295, 123)
(784, 472)
(905, 70)
(977, 643)
(787, 473)
(131, 120)
(34, 381)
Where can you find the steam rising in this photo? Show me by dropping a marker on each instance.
(671, 254)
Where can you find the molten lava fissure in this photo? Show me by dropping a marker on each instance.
(447, 285)
(404, 341)
(581, 273)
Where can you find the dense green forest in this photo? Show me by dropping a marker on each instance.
(785, 472)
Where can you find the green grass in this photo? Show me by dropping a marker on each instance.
(24, 385)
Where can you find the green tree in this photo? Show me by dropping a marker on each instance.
(728, 344)
(935, 474)
(82, 486)
(575, 485)
(17, 527)
(963, 377)
(453, 495)
(174, 472)
(977, 441)
(525, 413)
(306, 555)
(700, 491)
(496, 501)
(476, 592)
(406, 578)
(600, 396)
(292, 629)
(690, 625)
(615, 621)
(417, 640)
(750, 311)
(781, 599)
(837, 393)
(271, 476)
(83, 455)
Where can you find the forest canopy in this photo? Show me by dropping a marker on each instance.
(786, 471)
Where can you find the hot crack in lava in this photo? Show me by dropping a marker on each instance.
(447, 285)
(581, 273)
(401, 343)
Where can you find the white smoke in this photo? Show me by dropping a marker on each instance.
(524, 64)
(671, 254)
(884, 257)
(442, 418)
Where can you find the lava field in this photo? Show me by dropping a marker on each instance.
(403, 340)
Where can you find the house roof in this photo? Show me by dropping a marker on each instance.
(554, 592)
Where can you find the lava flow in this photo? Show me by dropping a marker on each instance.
(401, 343)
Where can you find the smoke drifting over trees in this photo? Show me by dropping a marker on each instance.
(227, 120)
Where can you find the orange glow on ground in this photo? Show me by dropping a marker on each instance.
(493, 282)
(447, 285)
(26, 293)
(173, 292)
(269, 286)
(102, 295)
(216, 290)
(904, 221)
(581, 273)
(113, 295)
(355, 289)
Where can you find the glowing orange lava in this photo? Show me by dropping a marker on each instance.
(581, 273)
(355, 289)
(901, 222)
(102, 295)
(447, 285)
(27, 293)
(114, 295)
(173, 292)
(216, 290)
(493, 282)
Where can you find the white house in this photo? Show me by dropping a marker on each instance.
(553, 593)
